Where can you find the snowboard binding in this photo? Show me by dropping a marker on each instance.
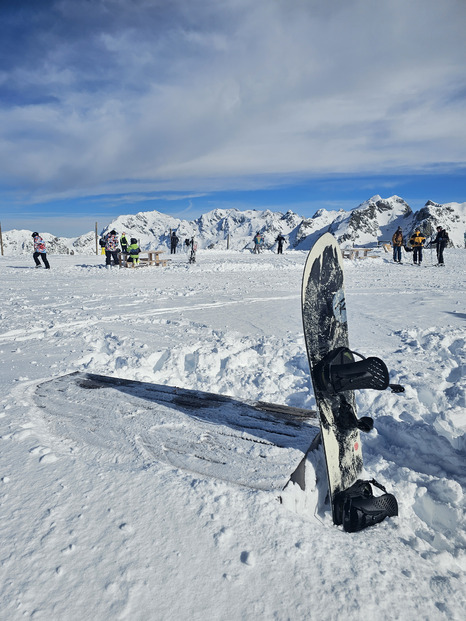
(357, 508)
(339, 371)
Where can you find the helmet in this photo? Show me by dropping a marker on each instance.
(134, 240)
(35, 235)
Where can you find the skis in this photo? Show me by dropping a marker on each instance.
(336, 372)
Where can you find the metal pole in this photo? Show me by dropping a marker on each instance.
(96, 242)
(1, 238)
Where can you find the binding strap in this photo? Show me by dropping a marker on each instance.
(339, 371)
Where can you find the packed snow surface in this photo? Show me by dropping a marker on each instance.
(92, 528)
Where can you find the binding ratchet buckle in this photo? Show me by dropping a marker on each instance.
(339, 371)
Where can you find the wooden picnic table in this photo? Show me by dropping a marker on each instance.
(150, 257)
(358, 253)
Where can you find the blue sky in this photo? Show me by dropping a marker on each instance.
(110, 107)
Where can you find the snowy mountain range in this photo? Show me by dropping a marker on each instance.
(370, 223)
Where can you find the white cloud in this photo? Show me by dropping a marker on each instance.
(201, 89)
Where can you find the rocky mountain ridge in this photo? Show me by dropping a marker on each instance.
(372, 222)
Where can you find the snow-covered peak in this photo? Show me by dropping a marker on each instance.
(369, 223)
(451, 216)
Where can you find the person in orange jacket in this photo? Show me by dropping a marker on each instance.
(397, 242)
(417, 242)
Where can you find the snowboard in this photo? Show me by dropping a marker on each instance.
(326, 329)
(335, 374)
(136, 424)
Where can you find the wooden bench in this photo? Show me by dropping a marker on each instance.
(358, 253)
(152, 258)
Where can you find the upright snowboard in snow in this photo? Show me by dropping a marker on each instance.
(335, 374)
(325, 329)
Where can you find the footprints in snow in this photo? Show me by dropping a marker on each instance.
(45, 454)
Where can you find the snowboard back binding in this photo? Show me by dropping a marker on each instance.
(357, 507)
(339, 371)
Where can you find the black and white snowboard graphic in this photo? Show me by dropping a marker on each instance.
(336, 372)
(325, 330)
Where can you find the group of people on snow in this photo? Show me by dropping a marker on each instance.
(258, 240)
(111, 244)
(417, 243)
(190, 245)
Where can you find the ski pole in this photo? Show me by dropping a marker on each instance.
(431, 259)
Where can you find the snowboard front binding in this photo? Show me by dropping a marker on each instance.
(339, 371)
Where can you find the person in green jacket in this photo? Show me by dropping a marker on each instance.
(133, 251)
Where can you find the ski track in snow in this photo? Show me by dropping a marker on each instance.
(90, 528)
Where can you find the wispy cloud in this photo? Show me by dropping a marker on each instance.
(146, 95)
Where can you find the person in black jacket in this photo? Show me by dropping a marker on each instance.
(280, 239)
(441, 242)
(124, 243)
(174, 239)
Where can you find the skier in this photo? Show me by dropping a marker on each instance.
(441, 242)
(174, 239)
(397, 241)
(258, 241)
(133, 250)
(112, 248)
(124, 243)
(417, 242)
(40, 251)
(280, 239)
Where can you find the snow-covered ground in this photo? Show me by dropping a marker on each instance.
(90, 529)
